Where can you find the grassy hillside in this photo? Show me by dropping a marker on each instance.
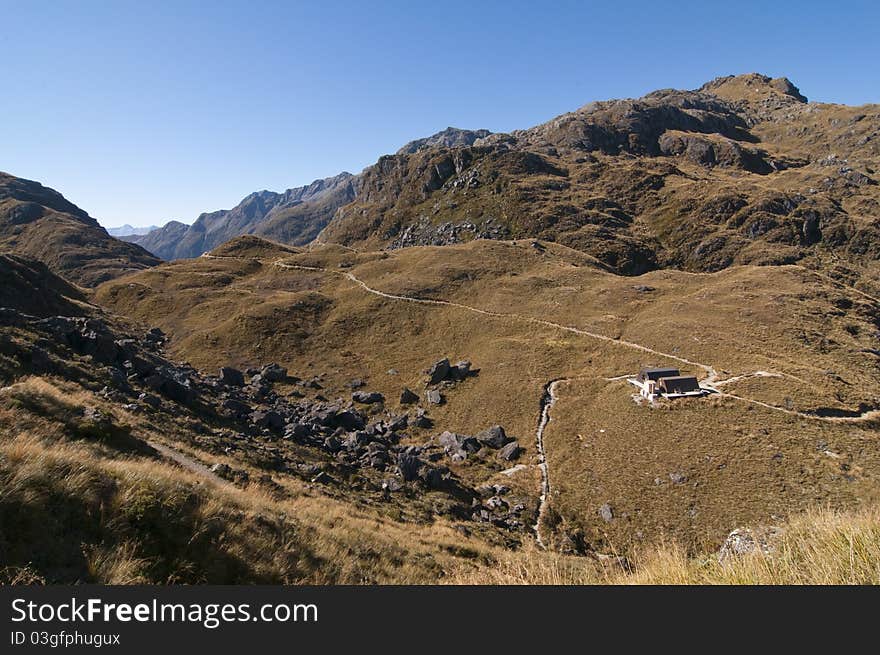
(88, 500)
(821, 547)
(769, 445)
(39, 223)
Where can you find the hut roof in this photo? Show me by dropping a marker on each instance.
(657, 373)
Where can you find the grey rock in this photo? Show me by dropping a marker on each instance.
(349, 419)
(510, 452)
(409, 465)
(434, 397)
(496, 502)
(454, 443)
(439, 371)
(398, 423)
(462, 370)
(408, 397)
(743, 541)
(300, 431)
(422, 421)
(221, 470)
(231, 377)
(177, 390)
(149, 399)
(155, 335)
(391, 485)
(434, 478)
(493, 437)
(606, 512)
(269, 419)
(237, 407)
(470, 445)
(322, 478)
(273, 373)
(367, 397)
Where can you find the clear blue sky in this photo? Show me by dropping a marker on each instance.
(141, 112)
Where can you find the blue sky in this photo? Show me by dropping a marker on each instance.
(142, 112)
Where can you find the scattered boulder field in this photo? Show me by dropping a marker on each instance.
(263, 415)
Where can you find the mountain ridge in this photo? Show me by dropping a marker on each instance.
(40, 223)
(740, 170)
(130, 230)
(293, 216)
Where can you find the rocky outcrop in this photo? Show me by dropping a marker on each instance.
(746, 541)
(271, 429)
(451, 137)
(711, 152)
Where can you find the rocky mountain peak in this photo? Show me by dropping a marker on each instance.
(451, 137)
(753, 87)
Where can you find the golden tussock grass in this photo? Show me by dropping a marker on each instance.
(745, 464)
(75, 509)
(818, 547)
(80, 511)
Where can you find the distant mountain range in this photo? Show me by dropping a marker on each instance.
(130, 230)
(295, 217)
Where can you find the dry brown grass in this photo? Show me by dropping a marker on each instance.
(782, 319)
(819, 547)
(77, 509)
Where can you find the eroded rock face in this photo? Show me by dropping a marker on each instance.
(451, 137)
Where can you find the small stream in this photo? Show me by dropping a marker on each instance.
(548, 399)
